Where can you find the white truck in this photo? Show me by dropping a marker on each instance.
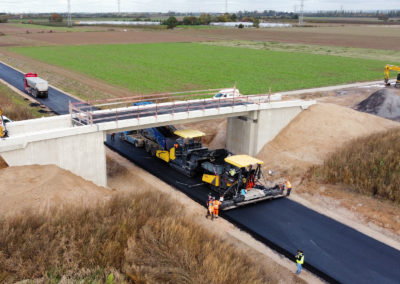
(36, 86)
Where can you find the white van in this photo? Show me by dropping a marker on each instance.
(227, 93)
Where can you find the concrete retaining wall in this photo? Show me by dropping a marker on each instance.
(82, 154)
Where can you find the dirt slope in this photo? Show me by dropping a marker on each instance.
(40, 187)
(316, 132)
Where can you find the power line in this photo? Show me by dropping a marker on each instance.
(69, 14)
(301, 12)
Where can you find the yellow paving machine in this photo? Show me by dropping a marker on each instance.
(240, 181)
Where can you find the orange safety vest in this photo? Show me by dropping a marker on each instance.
(288, 184)
(211, 206)
(217, 204)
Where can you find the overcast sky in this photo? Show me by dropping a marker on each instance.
(18, 6)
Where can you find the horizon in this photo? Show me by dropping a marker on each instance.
(191, 6)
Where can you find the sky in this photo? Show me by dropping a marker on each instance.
(93, 6)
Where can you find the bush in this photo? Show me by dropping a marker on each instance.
(241, 26)
(171, 22)
(370, 165)
(205, 19)
(190, 21)
(256, 23)
(55, 18)
(3, 18)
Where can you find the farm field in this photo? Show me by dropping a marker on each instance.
(360, 36)
(363, 53)
(147, 68)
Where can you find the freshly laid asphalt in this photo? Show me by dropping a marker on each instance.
(332, 250)
(57, 101)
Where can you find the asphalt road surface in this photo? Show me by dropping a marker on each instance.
(57, 101)
(332, 250)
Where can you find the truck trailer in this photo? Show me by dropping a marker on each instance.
(35, 86)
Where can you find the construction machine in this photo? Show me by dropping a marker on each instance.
(238, 178)
(186, 152)
(389, 68)
(239, 181)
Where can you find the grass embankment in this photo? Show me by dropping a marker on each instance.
(160, 67)
(369, 165)
(14, 106)
(139, 238)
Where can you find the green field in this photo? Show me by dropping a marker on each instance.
(161, 67)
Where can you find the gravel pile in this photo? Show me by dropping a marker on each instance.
(384, 103)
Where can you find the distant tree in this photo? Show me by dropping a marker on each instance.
(234, 18)
(56, 18)
(256, 22)
(3, 18)
(190, 20)
(205, 19)
(295, 16)
(171, 22)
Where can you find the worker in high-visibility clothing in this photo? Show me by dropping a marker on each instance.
(211, 208)
(208, 204)
(217, 203)
(288, 186)
(299, 260)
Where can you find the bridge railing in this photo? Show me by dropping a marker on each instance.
(91, 112)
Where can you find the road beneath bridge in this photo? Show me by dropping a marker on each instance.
(333, 251)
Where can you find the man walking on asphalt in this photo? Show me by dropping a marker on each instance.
(299, 260)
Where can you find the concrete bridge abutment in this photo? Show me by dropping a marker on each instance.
(82, 153)
(248, 134)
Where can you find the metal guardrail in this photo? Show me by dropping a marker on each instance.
(92, 112)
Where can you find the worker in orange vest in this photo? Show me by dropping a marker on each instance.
(217, 203)
(288, 186)
(208, 203)
(211, 208)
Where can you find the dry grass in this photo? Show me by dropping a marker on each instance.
(139, 238)
(114, 168)
(14, 106)
(369, 165)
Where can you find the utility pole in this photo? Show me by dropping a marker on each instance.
(69, 14)
(301, 12)
(226, 6)
(119, 7)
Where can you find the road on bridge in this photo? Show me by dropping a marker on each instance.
(334, 251)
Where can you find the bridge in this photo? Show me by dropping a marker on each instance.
(75, 141)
